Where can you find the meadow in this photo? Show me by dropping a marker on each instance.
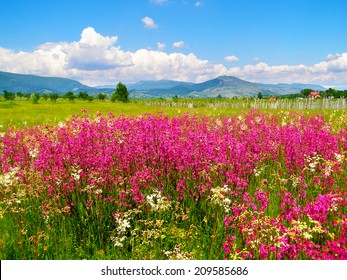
(101, 180)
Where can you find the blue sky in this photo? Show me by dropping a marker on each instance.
(106, 41)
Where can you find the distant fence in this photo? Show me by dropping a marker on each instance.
(296, 104)
(313, 104)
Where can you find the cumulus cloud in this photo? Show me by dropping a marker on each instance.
(95, 52)
(150, 64)
(333, 63)
(91, 38)
(149, 23)
(96, 59)
(231, 58)
(179, 44)
(331, 71)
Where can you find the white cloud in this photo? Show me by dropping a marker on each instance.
(158, 2)
(148, 64)
(333, 63)
(179, 44)
(92, 38)
(231, 58)
(198, 4)
(161, 46)
(93, 52)
(96, 59)
(331, 71)
(149, 23)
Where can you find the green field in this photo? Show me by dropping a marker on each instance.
(22, 113)
(215, 180)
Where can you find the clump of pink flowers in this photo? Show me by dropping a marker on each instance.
(281, 186)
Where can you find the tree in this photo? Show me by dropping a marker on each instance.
(20, 94)
(260, 95)
(332, 92)
(102, 96)
(36, 98)
(70, 95)
(120, 94)
(306, 92)
(27, 95)
(54, 97)
(175, 98)
(83, 96)
(10, 96)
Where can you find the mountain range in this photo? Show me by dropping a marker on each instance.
(226, 86)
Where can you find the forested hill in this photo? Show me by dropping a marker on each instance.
(226, 86)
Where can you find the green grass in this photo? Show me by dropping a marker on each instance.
(22, 113)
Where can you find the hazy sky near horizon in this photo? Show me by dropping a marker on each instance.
(101, 42)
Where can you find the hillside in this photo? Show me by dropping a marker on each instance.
(31, 83)
(226, 86)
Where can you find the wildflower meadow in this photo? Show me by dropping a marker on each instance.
(258, 185)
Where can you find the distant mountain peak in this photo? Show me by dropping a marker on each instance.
(228, 78)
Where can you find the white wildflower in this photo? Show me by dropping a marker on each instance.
(334, 205)
(76, 173)
(158, 202)
(312, 166)
(123, 225)
(258, 170)
(177, 254)
(295, 180)
(313, 161)
(219, 122)
(98, 191)
(327, 170)
(307, 235)
(118, 241)
(9, 178)
(338, 157)
(218, 197)
(244, 127)
(33, 153)
(46, 219)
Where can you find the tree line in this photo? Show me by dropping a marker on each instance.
(120, 94)
(329, 93)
